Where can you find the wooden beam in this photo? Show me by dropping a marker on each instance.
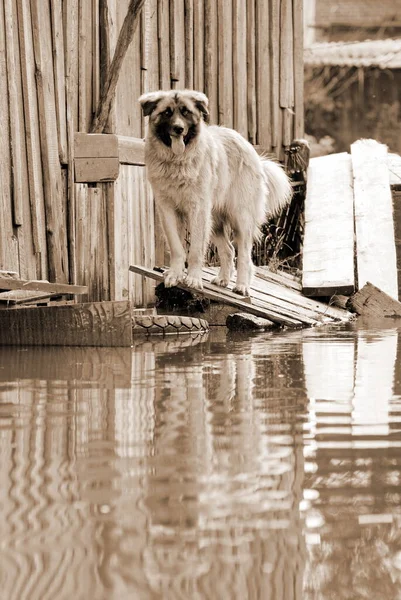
(370, 301)
(13, 283)
(92, 145)
(375, 243)
(328, 254)
(131, 151)
(89, 324)
(92, 170)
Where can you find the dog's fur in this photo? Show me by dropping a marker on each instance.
(210, 180)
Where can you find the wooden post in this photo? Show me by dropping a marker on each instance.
(124, 40)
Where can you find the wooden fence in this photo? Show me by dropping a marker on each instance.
(54, 57)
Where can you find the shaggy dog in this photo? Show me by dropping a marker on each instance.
(210, 180)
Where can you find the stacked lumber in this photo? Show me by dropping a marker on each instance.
(281, 304)
(349, 223)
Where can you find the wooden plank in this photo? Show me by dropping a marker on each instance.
(263, 75)
(8, 241)
(375, 243)
(131, 150)
(92, 145)
(240, 113)
(16, 127)
(328, 253)
(149, 41)
(32, 139)
(211, 58)
(71, 92)
(163, 34)
(55, 219)
(286, 56)
(92, 170)
(251, 69)
(225, 62)
(274, 45)
(370, 301)
(199, 45)
(95, 54)
(177, 44)
(189, 43)
(56, 12)
(88, 324)
(24, 297)
(298, 43)
(13, 283)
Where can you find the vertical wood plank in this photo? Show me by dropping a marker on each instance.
(211, 58)
(275, 70)
(199, 45)
(8, 242)
(251, 66)
(107, 43)
(374, 225)
(263, 75)
(286, 56)
(32, 139)
(55, 219)
(56, 13)
(225, 64)
(297, 12)
(240, 121)
(177, 44)
(71, 91)
(95, 54)
(14, 116)
(189, 43)
(149, 42)
(163, 32)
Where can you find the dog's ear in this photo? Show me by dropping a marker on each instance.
(149, 102)
(201, 102)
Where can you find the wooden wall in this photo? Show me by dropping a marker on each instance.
(54, 55)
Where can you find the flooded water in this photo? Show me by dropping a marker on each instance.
(220, 467)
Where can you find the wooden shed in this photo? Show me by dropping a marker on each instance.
(78, 209)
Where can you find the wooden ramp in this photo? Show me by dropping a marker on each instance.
(328, 254)
(278, 302)
(349, 225)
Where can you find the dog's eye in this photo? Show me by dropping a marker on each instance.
(184, 111)
(168, 112)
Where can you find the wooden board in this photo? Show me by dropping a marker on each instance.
(13, 283)
(283, 311)
(328, 254)
(240, 119)
(92, 170)
(89, 324)
(375, 243)
(372, 302)
(95, 145)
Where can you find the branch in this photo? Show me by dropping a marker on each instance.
(124, 40)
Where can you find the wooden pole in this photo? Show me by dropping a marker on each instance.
(124, 40)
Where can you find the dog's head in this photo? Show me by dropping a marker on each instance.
(175, 116)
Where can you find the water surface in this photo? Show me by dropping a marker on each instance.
(219, 467)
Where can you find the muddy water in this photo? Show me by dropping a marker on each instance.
(222, 467)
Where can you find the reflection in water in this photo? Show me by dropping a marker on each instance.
(212, 467)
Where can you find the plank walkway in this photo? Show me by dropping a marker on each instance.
(284, 306)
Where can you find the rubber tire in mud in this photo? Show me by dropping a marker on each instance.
(167, 324)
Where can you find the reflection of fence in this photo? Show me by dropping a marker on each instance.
(56, 60)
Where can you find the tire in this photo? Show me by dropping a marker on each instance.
(167, 324)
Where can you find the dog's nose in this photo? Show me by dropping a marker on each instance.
(178, 129)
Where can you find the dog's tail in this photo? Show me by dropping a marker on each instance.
(278, 185)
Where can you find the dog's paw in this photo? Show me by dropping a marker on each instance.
(172, 277)
(194, 282)
(243, 290)
(221, 281)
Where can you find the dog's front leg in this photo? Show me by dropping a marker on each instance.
(199, 227)
(171, 226)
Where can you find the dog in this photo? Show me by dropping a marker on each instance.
(211, 181)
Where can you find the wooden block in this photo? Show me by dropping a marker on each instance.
(131, 150)
(89, 324)
(370, 301)
(13, 283)
(95, 145)
(374, 224)
(328, 254)
(91, 170)
(243, 321)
